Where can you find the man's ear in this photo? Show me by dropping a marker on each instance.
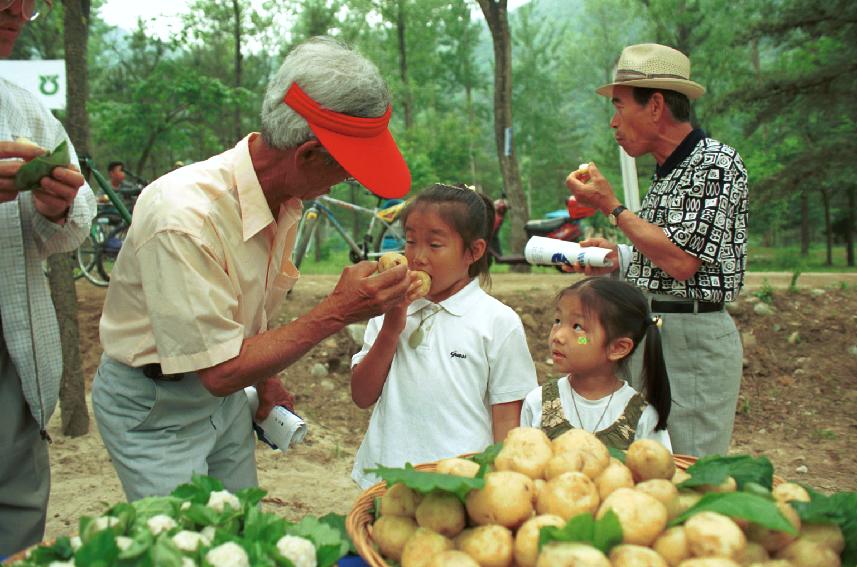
(310, 153)
(477, 249)
(619, 349)
(657, 106)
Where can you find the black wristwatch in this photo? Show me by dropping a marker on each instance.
(613, 217)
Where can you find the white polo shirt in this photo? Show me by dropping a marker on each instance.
(592, 410)
(437, 399)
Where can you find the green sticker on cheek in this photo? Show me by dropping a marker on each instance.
(582, 341)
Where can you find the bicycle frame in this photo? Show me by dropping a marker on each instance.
(386, 216)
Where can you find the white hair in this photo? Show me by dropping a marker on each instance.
(332, 74)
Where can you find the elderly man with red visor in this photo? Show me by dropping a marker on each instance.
(187, 323)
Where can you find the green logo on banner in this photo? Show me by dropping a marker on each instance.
(49, 84)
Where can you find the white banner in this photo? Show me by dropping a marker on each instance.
(43, 77)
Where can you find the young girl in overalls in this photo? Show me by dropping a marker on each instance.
(447, 373)
(599, 323)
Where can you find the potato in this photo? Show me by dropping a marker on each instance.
(665, 491)
(452, 558)
(708, 562)
(672, 546)
(686, 500)
(829, 535)
(773, 540)
(568, 495)
(506, 499)
(399, 500)
(728, 485)
(458, 467)
(563, 463)
(680, 476)
(391, 533)
(642, 516)
(616, 475)
(526, 450)
(710, 534)
(422, 546)
(625, 555)
(391, 260)
(753, 553)
(441, 512)
(648, 459)
(595, 455)
(805, 553)
(568, 554)
(772, 563)
(490, 546)
(788, 491)
(527, 538)
(425, 282)
(538, 485)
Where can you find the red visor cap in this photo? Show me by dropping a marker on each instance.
(364, 147)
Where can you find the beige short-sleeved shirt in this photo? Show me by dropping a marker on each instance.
(204, 266)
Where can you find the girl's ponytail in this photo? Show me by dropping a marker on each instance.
(655, 378)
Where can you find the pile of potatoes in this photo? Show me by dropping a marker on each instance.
(536, 482)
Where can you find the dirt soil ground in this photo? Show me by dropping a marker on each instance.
(798, 401)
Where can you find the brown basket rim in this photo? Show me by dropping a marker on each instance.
(359, 521)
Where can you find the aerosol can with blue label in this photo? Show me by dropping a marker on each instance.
(281, 428)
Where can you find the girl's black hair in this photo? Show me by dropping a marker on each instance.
(623, 311)
(468, 212)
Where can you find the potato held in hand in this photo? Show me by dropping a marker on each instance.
(390, 260)
(425, 282)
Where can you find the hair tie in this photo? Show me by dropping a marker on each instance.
(654, 320)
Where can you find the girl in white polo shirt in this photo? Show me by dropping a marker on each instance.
(599, 323)
(447, 373)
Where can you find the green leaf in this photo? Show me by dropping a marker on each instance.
(155, 505)
(839, 509)
(251, 495)
(329, 545)
(60, 550)
(487, 456)
(165, 553)
(426, 482)
(100, 551)
(198, 489)
(263, 527)
(337, 522)
(752, 507)
(715, 469)
(603, 534)
(31, 173)
(617, 454)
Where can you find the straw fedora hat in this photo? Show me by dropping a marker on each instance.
(656, 67)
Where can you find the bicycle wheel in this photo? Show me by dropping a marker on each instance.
(108, 251)
(389, 240)
(308, 228)
(86, 259)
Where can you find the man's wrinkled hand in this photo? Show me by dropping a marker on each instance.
(596, 193)
(612, 257)
(58, 192)
(13, 155)
(272, 393)
(361, 293)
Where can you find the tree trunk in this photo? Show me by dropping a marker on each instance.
(497, 17)
(804, 224)
(849, 229)
(403, 63)
(236, 10)
(828, 225)
(75, 418)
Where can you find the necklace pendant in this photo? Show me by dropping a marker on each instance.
(416, 338)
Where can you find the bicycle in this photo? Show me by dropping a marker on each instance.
(384, 233)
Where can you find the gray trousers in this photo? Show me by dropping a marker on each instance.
(160, 433)
(704, 360)
(25, 474)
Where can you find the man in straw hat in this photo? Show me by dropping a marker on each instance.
(188, 319)
(688, 241)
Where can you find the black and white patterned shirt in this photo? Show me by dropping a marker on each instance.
(698, 197)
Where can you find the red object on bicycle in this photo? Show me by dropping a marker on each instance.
(578, 211)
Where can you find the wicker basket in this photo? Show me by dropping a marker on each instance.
(359, 521)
